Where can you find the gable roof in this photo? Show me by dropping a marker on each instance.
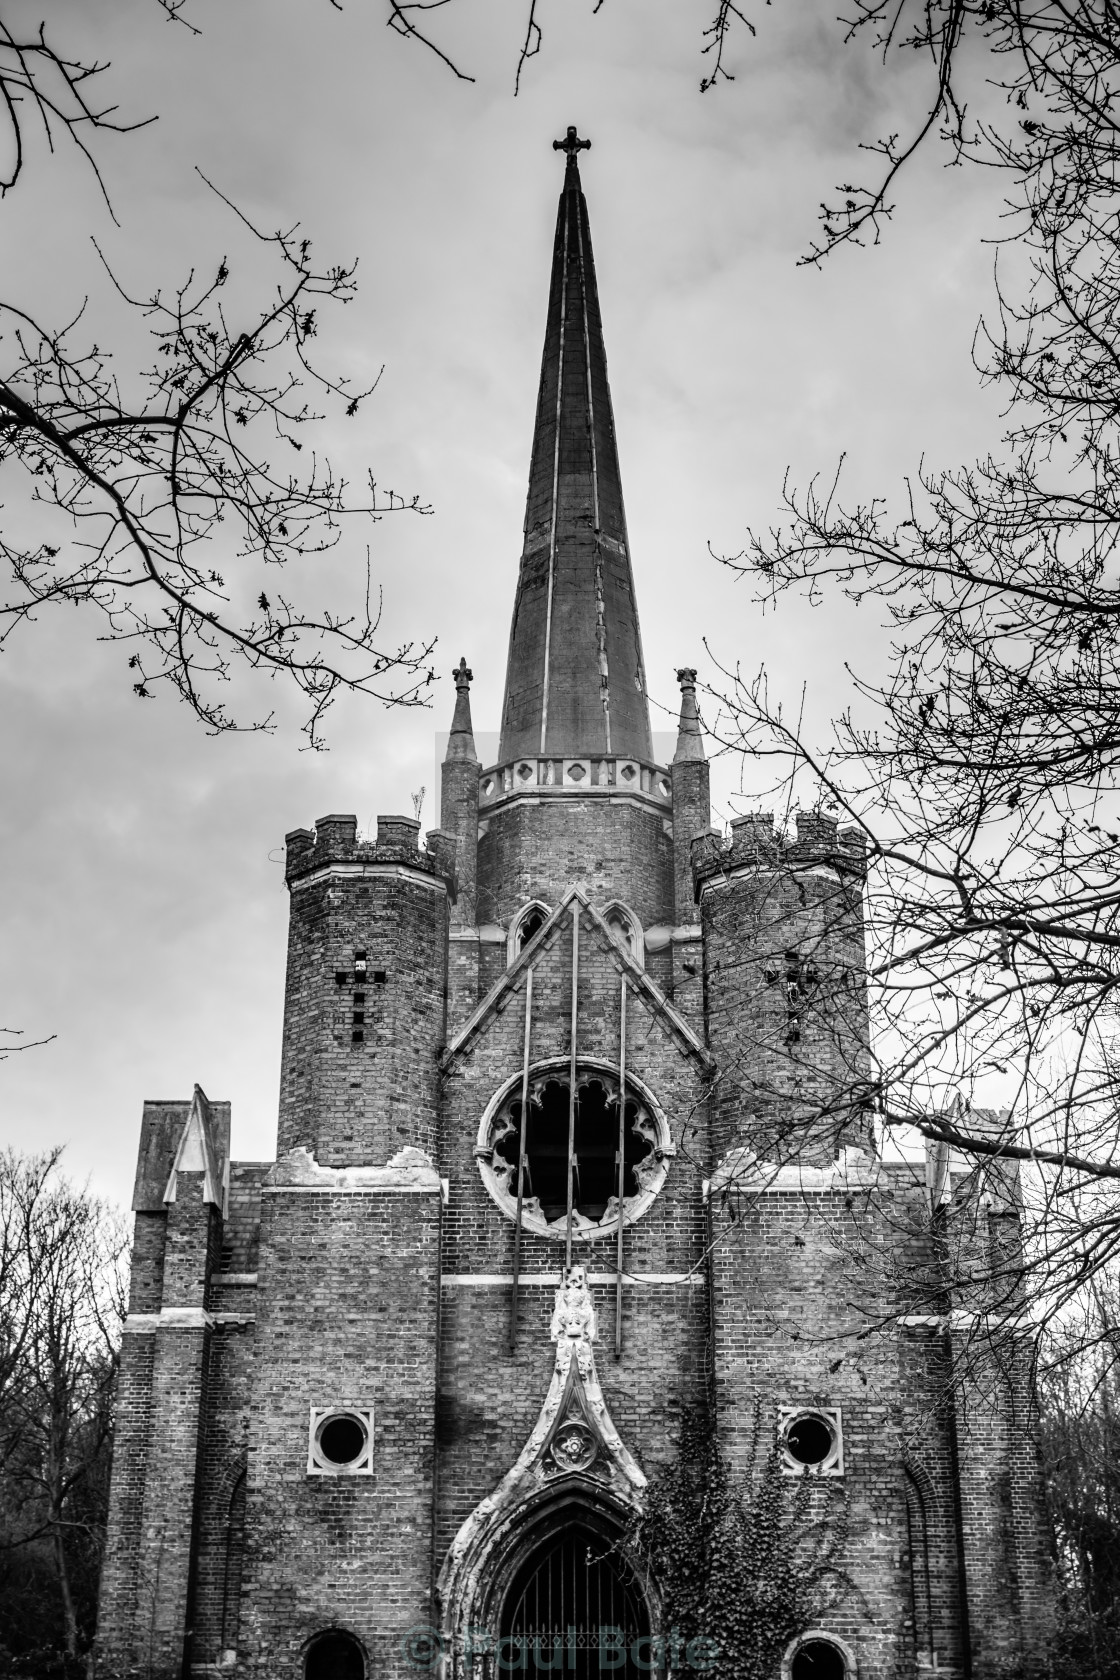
(640, 983)
(197, 1152)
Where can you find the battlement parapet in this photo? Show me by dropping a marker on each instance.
(754, 842)
(334, 842)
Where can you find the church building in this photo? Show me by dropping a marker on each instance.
(571, 1149)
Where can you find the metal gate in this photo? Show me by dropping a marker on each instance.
(571, 1609)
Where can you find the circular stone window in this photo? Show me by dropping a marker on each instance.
(341, 1442)
(646, 1150)
(811, 1441)
(818, 1656)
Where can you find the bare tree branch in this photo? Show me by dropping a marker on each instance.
(162, 484)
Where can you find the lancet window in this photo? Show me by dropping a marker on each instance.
(626, 928)
(526, 925)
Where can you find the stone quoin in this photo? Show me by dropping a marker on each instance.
(567, 1150)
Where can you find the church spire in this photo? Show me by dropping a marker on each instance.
(575, 681)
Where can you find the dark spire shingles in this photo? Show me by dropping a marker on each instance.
(575, 681)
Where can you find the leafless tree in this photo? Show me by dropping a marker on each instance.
(62, 1256)
(1080, 1414)
(418, 20)
(167, 497)
(982, 773)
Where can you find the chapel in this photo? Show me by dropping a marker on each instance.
(574, 1161)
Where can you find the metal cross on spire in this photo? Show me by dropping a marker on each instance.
(571, 144)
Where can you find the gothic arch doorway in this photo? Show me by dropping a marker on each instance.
(572, 1607)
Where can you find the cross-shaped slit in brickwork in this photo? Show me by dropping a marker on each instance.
(360, 977)
(799, 978)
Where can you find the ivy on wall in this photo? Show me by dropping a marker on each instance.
(742, 1555)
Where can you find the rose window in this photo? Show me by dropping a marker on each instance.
(646, 1150)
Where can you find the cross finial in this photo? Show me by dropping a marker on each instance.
(462, 675)
(571, 144)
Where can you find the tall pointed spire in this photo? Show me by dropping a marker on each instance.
(575, 681)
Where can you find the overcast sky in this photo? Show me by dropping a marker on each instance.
(145, 913)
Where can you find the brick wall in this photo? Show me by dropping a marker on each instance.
(790, 1300)
(536, 848)
(347, 1313)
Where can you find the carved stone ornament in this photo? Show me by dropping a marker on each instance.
(573, 1441)
(574, 1431)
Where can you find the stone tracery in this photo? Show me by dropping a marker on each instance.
(648, 1150)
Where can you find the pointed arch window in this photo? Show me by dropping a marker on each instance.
(526, 925)
(234, 1558)
(921, 1596)
(626, 928)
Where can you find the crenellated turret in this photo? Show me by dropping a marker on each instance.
(785, 987)
(364, 1005)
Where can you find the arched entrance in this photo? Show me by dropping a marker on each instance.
(572, 1607)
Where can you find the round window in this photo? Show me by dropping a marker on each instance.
(341, 1442)
(342, 1439)
(818, 1659)
(811, 1441)
(615, 1148)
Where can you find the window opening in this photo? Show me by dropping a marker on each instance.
(335, 1656)
(647, 1150)
(800, 982)
(921, 1596)
(341, 1442)
(625, 929)
(235, 1550)
(818, 1659)
(530, 924)
(809, 1440)
(799, 977)
(595, 1166)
